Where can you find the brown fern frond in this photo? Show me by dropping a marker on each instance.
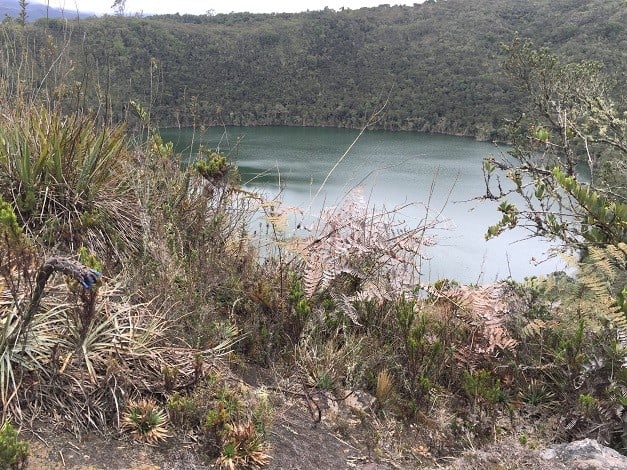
(312, 278)
(482, 307)
(371, 247)
(346, 304)
(533, 327)
(498, 338)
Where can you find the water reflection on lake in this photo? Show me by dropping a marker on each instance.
(393, 168)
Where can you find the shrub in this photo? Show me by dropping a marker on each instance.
(196, 234)
(13, 452)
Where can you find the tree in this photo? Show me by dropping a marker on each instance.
(567, 167)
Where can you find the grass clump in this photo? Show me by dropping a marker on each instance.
(68, 181)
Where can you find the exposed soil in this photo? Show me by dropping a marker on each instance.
(345, 437)
(296, 444)
(296, 441)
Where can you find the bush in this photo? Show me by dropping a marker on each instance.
(13, 452)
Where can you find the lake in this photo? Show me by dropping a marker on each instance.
(393, 168)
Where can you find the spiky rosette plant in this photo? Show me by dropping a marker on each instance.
(243, 447)
(145, 421)
(66, 179)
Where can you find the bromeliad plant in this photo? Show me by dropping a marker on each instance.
(145, 421)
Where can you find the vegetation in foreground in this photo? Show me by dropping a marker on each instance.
(130, 286)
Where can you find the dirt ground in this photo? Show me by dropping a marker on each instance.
(346, 437)
(296, 442)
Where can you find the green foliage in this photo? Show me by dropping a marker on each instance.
(603, 273)
(317, 68)
(297, 297)
(23, 13)
(262, 413)
(508, 221)
(572, 356)
(604, 221)
(621, 301)
(427, 354)
(537, 393)
(242, 446)
(230, 420)
(8, 221)
(89, 259)
(481, 386)
(329, 361)
(198, 252)
(212, 165)
(13, 452)
(569, 121)
(182, 411)
(68, 181)
(588, 404)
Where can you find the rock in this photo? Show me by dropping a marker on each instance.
(358, 400)
(586, 454)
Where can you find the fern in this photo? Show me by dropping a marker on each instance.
(361, 253)
(533, 328)
(346, 304)
(604, 275)
(484, 308)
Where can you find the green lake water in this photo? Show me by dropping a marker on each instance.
(392, 168)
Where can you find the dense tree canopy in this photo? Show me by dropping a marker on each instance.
(436, 64)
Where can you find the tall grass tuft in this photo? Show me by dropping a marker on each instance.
(68, 181)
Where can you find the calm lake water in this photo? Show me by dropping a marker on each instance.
(393, 168)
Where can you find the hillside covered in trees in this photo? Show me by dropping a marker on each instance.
(437, 65)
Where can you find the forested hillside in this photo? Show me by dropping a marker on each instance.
(437, 64)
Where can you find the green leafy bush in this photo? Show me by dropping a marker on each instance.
(569, 123)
